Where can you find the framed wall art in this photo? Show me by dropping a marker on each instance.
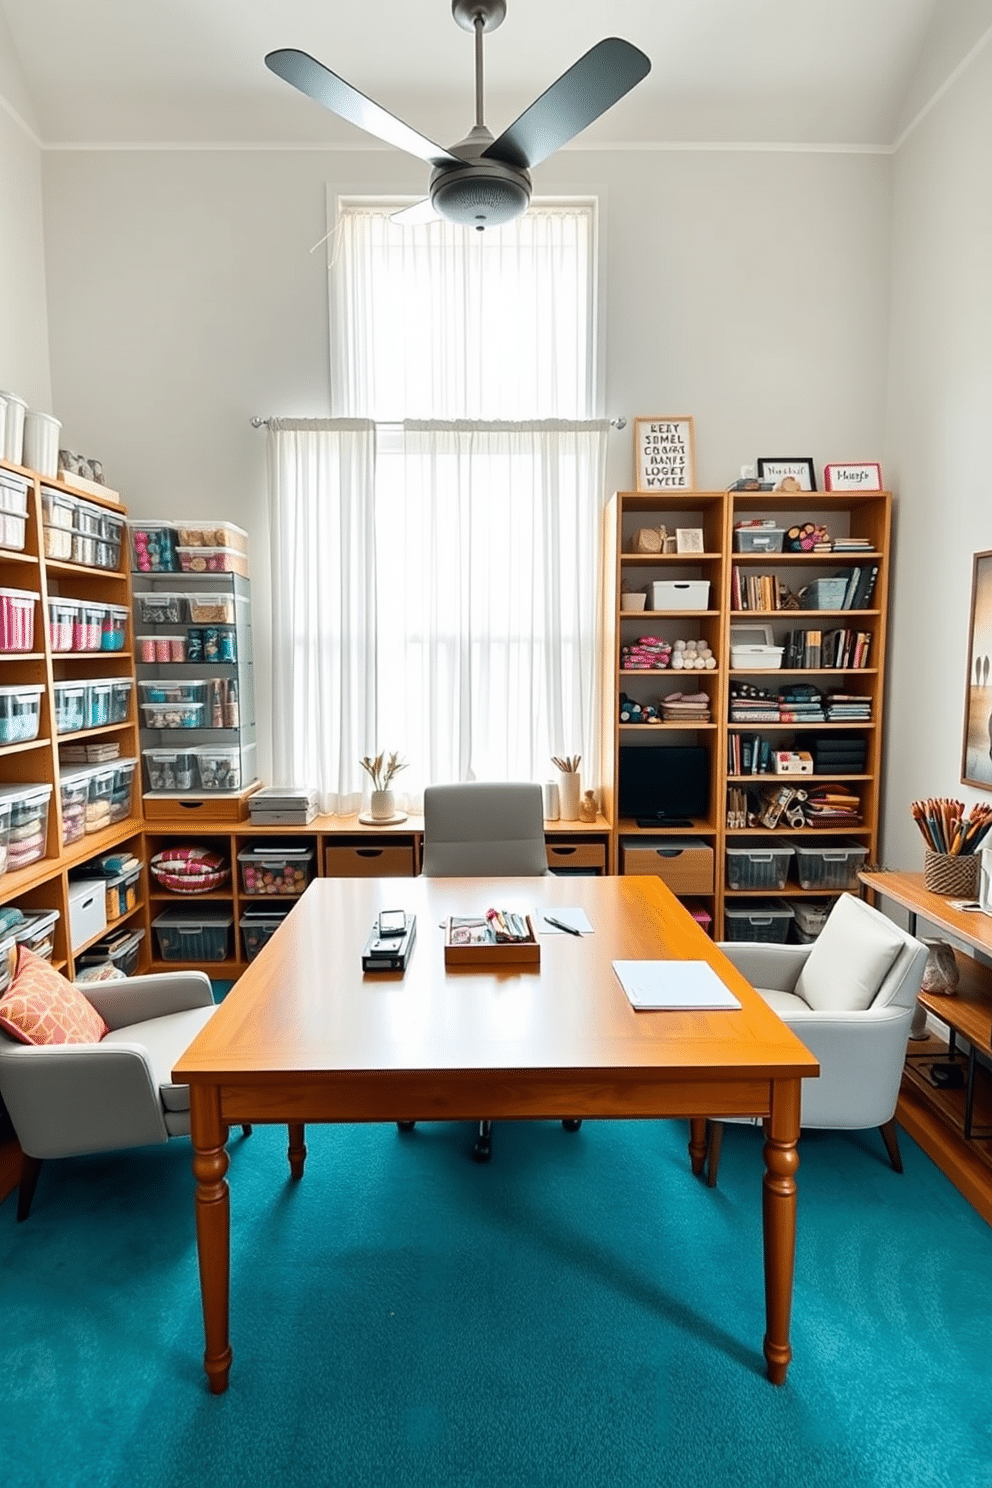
(976, 754)
(864, 476)
(777, 468)
(664, 454)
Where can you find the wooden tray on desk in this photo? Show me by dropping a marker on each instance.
(219, 807)
(494, 953)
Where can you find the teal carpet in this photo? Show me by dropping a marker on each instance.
(582, 1312)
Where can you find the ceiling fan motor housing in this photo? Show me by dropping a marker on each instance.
(480, 194)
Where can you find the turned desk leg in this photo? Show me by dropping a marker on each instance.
(697, 1143)
(213, 1230)
(779, 1219)
(297, 1152)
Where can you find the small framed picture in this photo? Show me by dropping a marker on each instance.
(864, 476)
(688, 539)
(777, 468)
(664, 454)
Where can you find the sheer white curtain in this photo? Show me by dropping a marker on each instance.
(321, 476)
(488, 601)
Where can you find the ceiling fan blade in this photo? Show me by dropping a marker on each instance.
(422, 211)
(325, 87)
(590, 86)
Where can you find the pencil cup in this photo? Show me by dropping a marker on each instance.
(569, 793)
(954, 877)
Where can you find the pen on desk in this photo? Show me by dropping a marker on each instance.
(560, 925)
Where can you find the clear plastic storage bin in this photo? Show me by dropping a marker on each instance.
(17, 619)
(166, 690)
(211, 535)
(74, 789)
(57, 508)
(113, 628)
(153, 547)
(84, 547)
(98, 798)
(20, 713)
(88, 519)
(200, 936)
(97, 706)
(121, 950)
(276, 869)
(170, 769)
(219, 769)
(832, 866)
(211, 609)
(758, 539)
(258, 925)
(212, 560)
(757, 921)
(758, 867)
(37, 932)
(70, 707)
(172, 715)
(13, 511)
(87, 627)
(28, 824)
(58, 543)
(61, 623)
(4, 832)
(159, 608)
(122, 790)
(811, 915)
(120, 699)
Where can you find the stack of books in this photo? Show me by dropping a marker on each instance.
(88, 754)
(832, 806)
(835, 754)
(752, 704)
(845, 707)
(852, 545)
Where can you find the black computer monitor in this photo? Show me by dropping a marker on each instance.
(664, 782)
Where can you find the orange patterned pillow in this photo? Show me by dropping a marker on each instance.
(41, 1007)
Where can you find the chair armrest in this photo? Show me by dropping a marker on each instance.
(136, 998)
(774, 966)
(862, 1056)
(66, 1099)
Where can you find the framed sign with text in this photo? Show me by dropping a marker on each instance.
(864, 476)
(663, 451)
(797, 468)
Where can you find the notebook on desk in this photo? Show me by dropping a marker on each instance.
(674, 986)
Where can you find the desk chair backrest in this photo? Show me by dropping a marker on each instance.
(483, 829)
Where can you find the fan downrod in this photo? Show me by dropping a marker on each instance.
(491, 13)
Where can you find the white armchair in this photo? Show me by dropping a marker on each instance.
(65, 1099)
(850, 998)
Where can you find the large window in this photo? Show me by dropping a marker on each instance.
(456, 617)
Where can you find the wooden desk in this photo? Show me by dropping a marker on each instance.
(951, 1125)
(304, 1036)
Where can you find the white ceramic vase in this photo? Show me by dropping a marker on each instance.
(569, 794)
(382, 806)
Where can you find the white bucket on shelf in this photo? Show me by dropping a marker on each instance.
(41, 442)
(13, 436)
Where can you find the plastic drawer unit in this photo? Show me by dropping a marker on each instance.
(20, 713)
(683, 863)
(258, 925)
(28, 824)
(758, 921)
(17, 619)
(185, 935)
(832, 866)
(276, 869)
(758, 867)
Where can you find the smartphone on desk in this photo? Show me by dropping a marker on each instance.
(392, 923)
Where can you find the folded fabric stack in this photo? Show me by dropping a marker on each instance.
(832, 806)
(646, 654)
(692, 656)
(750, 704)
(685, 708)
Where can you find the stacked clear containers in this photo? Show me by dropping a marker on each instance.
(28, 825)
(17, 619)
(20, 713)
(13, 510)
(94, 797)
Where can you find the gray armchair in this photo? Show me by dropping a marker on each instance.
(68, 1099)
(850, 998)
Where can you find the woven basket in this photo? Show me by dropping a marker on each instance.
(955, 877)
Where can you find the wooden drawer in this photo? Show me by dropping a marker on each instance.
(577, 855)
(686, 866)
(370, 860)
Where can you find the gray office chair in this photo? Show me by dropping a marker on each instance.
(850, 997)
(485, 830)
(68, 1099)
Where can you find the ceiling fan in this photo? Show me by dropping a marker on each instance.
(481, 182)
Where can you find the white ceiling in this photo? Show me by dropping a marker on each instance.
(831, 72)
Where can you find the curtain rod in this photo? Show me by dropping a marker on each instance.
(260, 423)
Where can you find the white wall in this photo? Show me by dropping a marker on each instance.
(24, 364)
(745, 288)
(938, 457)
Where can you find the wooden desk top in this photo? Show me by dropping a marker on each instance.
(305, 1007)
(909, 890)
